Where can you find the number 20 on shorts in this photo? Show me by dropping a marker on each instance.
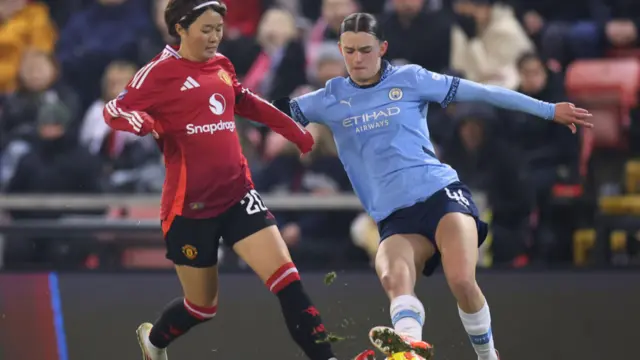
(253, 203)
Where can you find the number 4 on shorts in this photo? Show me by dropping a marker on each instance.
(457, 196)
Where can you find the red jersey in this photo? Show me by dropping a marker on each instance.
(193, 106)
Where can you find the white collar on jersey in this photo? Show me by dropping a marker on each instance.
(171, 51)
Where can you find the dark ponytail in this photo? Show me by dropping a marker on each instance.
(362, 22)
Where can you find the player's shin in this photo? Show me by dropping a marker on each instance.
(478, 327)
(179, 316)
(302, 318)
(407, 316)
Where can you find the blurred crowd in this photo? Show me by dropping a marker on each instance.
(60, 60)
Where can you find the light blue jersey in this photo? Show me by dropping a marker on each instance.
(381, 131)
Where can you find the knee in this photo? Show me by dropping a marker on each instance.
(396, 279)
(463, 285)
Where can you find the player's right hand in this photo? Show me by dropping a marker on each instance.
(143, 123)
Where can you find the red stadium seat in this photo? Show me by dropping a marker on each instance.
(150, 256)
(609, 89)
(624, 53)
(146, 258)
(140, 212)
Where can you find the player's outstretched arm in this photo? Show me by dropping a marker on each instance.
(446, 89)
(563, 113)
(254, 107)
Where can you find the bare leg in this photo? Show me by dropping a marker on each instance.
(457, 239)
(267, 254)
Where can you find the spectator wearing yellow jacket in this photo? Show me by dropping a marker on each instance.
(23, 26)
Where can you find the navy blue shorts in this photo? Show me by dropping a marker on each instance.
(423, 218)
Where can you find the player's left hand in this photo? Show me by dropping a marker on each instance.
(305, 144)
(569, 115)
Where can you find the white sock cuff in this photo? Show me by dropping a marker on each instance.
(407, 302)
(478, 319)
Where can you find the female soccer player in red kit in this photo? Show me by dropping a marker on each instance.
(187, 98)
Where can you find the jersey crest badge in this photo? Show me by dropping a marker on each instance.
(395, 94)
(225, 77)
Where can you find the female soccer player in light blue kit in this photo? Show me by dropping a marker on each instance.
(424, 214)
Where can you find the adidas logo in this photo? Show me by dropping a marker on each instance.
(189, 84)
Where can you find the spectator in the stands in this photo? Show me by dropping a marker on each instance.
(38, 85)
(550, 23)
(50, 161)
(619, 29)
(107, 30)
(61, 10)
(327, 27)
(24, 25)
(319, 174)
(488, 164)
(131, 163)
(418, 36)
(312, 9)
(280, 67)
(327, 65)
(552, 151)
(243, 17)
(487, 41)
(157, 37)
(94, 131)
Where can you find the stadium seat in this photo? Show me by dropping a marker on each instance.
(624, 53)
(149, 256)
(135, 212)
(145, 258)
(632, 177)
(609, 89)
(619, 205)
(583, 242)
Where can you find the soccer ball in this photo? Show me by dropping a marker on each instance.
(405, 356)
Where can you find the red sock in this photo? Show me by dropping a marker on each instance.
(284, 276)
(302, 318)
(178, 317)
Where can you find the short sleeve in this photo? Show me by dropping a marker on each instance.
(436, 87)
(308, 108)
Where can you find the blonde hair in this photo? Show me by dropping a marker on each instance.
(279, 21)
